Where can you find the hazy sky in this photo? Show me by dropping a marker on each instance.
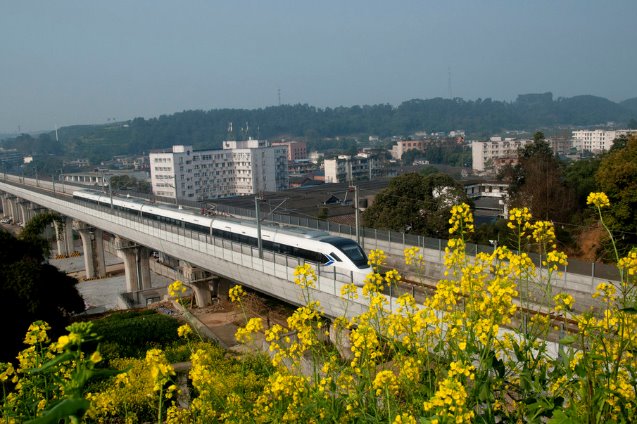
(76, 62)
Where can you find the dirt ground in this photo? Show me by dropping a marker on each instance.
(589, 242)
(223, 318)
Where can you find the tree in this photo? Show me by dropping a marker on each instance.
(617, 177)
(580, 176)
(126, 182)
(31, 290)
(415, 203)
(619, 143)
(410, 156)
(32, 231)
(537, 182)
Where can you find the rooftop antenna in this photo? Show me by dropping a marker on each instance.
(449, 81)
(230, 130)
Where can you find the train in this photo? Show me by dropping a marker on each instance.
(315, 246)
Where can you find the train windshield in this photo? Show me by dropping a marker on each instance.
(352, 250)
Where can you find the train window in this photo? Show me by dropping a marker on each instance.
(355, 254)
(335, 256)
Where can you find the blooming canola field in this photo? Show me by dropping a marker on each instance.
(443, 361)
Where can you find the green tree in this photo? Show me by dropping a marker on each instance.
(415, 203)
(126, 182)
(617, 177)
(428, 170)
(619, 143)
(410, 156)
(32, 231)
(537, 182)
(580, 176)
(31, 290)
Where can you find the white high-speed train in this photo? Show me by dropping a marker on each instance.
(314, 246)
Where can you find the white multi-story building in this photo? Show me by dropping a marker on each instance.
(349, 169)
(486, 153)
(597, 141)
(240, 168)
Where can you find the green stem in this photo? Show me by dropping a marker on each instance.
(161, 395)
(388, 405)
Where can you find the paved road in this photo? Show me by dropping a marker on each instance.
(102, 295)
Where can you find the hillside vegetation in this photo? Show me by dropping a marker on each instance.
(206, 129)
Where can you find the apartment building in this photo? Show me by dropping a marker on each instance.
(597, 141)
(487, 154)
(297, 150)
(560, 146)
(349, 169)
(240, 168)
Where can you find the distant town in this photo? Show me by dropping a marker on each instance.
(180, 173)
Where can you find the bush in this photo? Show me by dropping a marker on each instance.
(130, 334)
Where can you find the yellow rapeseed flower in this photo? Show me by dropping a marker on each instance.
(461, 219)
(96, 357)
(305, 276)
(385, 380)
(184, 330)
(629, 263)
(598, 199)
(246, 334)
(376, 258)
(563, 302)
(176, 289)
(236, 293)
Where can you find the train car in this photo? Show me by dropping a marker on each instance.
(314, 246)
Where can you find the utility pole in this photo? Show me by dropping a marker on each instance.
(175, 186)
(258, 216)
(53, 181)
(62, 178)
(356, 222)
(110, 191)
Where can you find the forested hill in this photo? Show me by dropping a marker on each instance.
(206, 129)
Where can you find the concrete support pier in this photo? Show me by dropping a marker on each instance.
(143, 266)
(24, 208)
(11, 207)
(93, 246)
(136, 264)
(64, 236)
(199, 280)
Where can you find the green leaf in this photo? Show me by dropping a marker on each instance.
(66, 408)
(498, 366)
(560, 417)
(484, 392)
(580, 370)
(53, 362)
(567, 340)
